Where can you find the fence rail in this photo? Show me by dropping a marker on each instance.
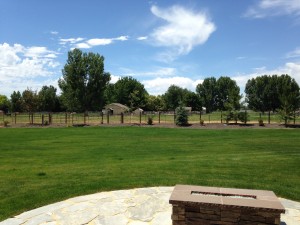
(96, 118)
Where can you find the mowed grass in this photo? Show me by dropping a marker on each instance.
(39, 166)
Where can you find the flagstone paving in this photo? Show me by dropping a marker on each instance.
(144, 206)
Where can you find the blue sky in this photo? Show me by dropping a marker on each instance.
(159, 43)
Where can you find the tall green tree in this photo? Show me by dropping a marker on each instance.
(219, 94)
(191, 99)
(272, 93)
(16, 101)
(174, 96)
(155, 103)
(289, 97)
(48, 100)
(29, 100)
(228, 94)
(4, 103)
(207, 91)
(84, 81)
(130, 92)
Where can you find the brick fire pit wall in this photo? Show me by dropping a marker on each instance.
(197, 205)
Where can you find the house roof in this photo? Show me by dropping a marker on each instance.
(117, 104)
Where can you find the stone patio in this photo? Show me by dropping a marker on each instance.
(144, 206)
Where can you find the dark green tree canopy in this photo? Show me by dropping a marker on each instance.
(48, 100)
(16, 101)
(174, 96)
(228, 94)
(155, 103)
(84, 81)
(269, 93)
(29, 100)
(208, 92)
(221, 94)
(4, 103)
(128, 91)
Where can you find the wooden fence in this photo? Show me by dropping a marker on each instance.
(96, 118)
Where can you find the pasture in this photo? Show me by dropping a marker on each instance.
(39, 166)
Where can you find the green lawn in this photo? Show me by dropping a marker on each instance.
(39, 166)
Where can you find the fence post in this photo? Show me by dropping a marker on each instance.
(208, 118)
(269, 117)
(174, 116)
(84, 118)
(107, 117)
(101, 114)
(140, 117)
(122, 118)
(66, 118)
(43, 119)
(221, 116)
(72, 118)
(200, 116)
(294, 117)
(15, 118)
(159, 117)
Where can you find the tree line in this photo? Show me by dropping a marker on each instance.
(85, 86)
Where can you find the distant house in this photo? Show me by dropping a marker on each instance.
(138, 111)
(115, 108)
(187, 109)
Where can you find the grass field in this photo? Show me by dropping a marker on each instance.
(39, 166)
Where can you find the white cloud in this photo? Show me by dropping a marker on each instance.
(160, 85)
(265, 8)
(184, 30)
(54, 32)
(77, 42)
(64, 41)
(294, 54)
(114, 78)
(121, 38)
(22, 67)
(142, 38)
(99, 41)
(81, 45)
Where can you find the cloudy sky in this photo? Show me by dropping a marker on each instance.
(159, 43)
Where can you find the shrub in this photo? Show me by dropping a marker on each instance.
(243, 117)
(202, 122)
(261, 123)
(5, 122)
(181, 116)
(150, 120)
(46, 123)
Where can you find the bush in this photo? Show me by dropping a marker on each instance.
(202, 122)
(5, 122)
(243, 117)
(150, 120)
(181, 116)
(261, 123)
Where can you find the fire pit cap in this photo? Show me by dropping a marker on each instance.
(226, 198)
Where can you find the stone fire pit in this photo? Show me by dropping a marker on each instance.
(198, 205)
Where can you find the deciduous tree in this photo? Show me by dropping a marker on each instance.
(16, 102)
(207, 91)
(48, 100)
(130, 92)
(4, 103)
(84, 81)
